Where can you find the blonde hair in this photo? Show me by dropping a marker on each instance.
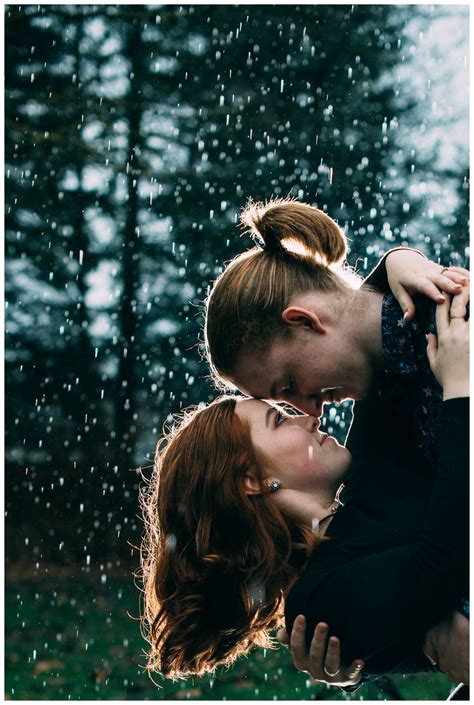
(298, 247)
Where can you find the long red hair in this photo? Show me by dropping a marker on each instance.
(216, 563)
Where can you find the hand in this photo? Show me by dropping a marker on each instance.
(409, 272)
(448, 352)
(447, 644)
(322, 659)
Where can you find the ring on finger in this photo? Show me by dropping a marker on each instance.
(451, 317)
(445, 269)
(331, 675)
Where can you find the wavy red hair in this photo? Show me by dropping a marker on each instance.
(216, 563)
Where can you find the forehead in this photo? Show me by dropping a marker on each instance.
(251, 409)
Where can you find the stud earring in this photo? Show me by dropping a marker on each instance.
(274, 485)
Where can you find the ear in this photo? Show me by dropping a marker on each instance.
(252, 486)
(297, 316)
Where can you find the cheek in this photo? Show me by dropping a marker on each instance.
(291, 457)
(305, 463)
(325, 462)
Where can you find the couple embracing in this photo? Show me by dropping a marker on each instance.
(256, 519)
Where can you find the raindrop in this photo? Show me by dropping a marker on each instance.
(170, 543)
(256, 589)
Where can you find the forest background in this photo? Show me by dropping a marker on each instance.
(134, 135)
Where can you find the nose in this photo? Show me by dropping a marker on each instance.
(313, 423)
(310, 423)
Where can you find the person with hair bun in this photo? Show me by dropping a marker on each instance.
(243, 512)
(284, 321)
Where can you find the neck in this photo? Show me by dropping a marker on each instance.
(307, 509)
(360, 326)
(368, 305)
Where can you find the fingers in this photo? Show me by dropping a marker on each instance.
(449, 280)
(451, 283)
(443, 316)
(283, 636)
(354, 670)
(428, 288)
(460, 273)
(323, 661)
(459, 303)
(297, 643)
(432, 348)
(405, 302)
(317, 649)
(332, 664)
(333, 670)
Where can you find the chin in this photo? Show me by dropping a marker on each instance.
(346, 456)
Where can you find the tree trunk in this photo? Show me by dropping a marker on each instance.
(126, 405)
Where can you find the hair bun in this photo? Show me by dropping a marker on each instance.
(283, 220)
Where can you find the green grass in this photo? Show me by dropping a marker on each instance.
(71, 636)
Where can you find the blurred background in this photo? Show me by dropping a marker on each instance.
(134, 135)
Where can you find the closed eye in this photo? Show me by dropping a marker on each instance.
(330, 393)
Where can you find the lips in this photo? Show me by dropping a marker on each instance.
(324, 436)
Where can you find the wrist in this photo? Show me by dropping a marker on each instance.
(407, 249)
